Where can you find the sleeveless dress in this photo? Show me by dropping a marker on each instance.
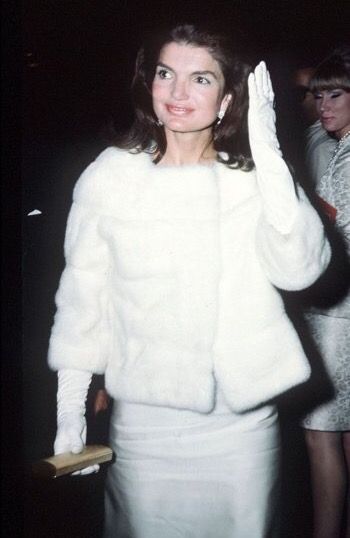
(330, 327)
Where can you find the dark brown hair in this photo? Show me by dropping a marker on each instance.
(333, 72)
(230, 136)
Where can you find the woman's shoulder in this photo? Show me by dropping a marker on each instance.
(342, 160)
(237, 187)
(108, 161)
(339, 167)
(110, 168)
(240, 176)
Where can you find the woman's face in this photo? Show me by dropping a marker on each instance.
(188, 88)
(333, 107)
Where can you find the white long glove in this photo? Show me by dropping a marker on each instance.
(72, 391)
(274, 179)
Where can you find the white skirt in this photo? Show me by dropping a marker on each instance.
(181, 474)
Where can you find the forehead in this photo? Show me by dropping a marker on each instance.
(182, 56)
(330, 91)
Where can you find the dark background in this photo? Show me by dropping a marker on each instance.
(67, 70)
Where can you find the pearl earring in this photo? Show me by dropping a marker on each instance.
(220, 115)
(160, 123)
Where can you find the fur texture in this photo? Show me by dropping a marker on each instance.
(170, 284)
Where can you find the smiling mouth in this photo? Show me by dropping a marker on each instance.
(178, 110)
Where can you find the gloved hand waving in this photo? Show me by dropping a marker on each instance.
(274, 178)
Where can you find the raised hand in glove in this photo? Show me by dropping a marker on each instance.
(274, 178)
(72, 391)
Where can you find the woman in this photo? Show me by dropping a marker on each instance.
(175, 247)
(327, 427)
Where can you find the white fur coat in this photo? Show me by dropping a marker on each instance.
(171, 283)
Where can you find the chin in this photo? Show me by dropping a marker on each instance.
(186, 127)
(328, 128)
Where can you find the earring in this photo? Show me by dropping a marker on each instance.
(220, 115)
(159, 123)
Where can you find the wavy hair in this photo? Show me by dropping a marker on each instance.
(230, 136)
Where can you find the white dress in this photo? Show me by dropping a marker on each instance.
(182, 474)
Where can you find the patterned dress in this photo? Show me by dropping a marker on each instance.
(330, 326)
(319, 150)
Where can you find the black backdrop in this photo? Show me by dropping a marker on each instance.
(69, 65)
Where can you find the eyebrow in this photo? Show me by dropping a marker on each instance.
(201, 73)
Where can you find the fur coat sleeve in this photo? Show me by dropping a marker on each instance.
(80, 335)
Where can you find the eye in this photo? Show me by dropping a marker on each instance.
(163, 73)
(317, 95)
(202, 80)
(335, 94)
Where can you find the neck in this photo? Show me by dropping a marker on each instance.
(188, 148)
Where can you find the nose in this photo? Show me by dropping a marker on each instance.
(323, 103)
(179, 89)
